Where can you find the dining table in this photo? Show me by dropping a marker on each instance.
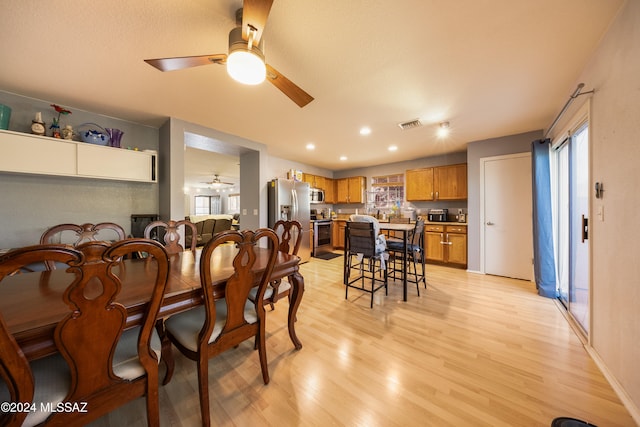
(32, 304)
(404, 229)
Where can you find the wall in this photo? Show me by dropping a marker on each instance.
(32, 203)
(613, 72)
(475, 151)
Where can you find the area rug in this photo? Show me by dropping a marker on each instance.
(327, 256)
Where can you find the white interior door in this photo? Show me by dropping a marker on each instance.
(506, 229)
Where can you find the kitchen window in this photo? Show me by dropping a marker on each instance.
(386, 190)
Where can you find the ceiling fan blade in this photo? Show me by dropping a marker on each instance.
(287, 87)
(254, 15)
(179, 63)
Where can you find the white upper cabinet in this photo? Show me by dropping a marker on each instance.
(41, 155)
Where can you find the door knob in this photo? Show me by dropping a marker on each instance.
(490, 223)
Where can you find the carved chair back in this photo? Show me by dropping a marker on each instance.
(172, 235)
(108, 365)
(83, 233)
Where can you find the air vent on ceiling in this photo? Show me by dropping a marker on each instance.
(410, 124)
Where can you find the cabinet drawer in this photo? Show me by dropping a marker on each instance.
(456, 229)
(436, 228)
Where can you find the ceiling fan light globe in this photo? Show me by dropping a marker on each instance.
(246, 67)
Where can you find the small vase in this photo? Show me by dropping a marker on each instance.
(115, 135)
(55, 132)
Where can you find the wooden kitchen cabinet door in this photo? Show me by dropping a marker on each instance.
(329, 191)
(433, 246)
(350, 190)
(419, 184)
(457, 248)
(319, 182)
(450, 182)
(356, 189)
(342, 190)
(339, 227)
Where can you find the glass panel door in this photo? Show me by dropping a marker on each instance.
(579, 250)
(572, 228)
(562, 222)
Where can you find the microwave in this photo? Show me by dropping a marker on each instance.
(316, 195)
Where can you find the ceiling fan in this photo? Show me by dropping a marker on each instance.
(216, 183)
(245, 61)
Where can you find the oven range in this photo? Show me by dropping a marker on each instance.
(321, 236)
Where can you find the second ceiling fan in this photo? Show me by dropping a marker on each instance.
(245, 61)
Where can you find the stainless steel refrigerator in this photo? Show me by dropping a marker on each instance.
(291, 200)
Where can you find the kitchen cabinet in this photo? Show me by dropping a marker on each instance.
(329, 191)
(446, 244)
(419, 184)
(315, 181)
(41, 155)
(339, 225)
(450, 182)
(351, 190)
(437, 183)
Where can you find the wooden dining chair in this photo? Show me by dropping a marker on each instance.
(171, 235)
(18, 376)
(223, 323)
(289, 237)
(104, 364)
(82, 233)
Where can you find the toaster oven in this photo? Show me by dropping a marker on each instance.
(438, 215)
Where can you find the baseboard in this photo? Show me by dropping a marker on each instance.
(617, 387)
(628, 403)
(474, 271)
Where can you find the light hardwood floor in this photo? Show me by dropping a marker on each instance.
(472, 350)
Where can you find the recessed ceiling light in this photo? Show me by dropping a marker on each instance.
(310, 146)
(443, 130)
(343, 158)
(365, 131)
(393, 148)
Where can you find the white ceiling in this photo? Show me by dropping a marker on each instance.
(489, 67)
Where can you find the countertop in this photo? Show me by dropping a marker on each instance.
(426, 222)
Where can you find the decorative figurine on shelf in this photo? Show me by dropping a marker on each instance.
(55, 126)
(37, 125)
(67, 132)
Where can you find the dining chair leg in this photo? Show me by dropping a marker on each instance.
(262, 353)
(203, 389)
(165, 352)
(153, 405)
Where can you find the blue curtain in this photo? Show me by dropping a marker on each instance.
(543, 254)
